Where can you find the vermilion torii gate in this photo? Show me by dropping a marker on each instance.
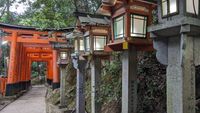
(28, 44)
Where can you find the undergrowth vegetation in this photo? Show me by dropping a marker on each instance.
(151, 85)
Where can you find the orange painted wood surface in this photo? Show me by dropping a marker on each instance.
(27, 46)
(51, 70)
(3, 82)
(12, 63)
(56, 78)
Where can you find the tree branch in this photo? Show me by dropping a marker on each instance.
(3, 11)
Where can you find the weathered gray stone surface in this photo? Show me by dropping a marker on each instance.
(80, 83)
(63, 99)
(177, 45)
(161, 45)
(197, 51)
(95, 85)
(129, 81)
(181, 75)
(180, 71)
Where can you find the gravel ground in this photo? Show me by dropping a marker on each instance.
(31, 102)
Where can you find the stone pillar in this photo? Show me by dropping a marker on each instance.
(129, 80)
(63, 75)
(80, 85)
(95, 84)
(181, 75)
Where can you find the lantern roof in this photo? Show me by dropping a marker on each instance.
(74, 34)
(106, 6)
(21, 27)
(113, 2)
(92, 19)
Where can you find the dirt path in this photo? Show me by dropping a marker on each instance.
(31, 102)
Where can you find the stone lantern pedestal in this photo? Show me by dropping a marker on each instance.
(177, 43)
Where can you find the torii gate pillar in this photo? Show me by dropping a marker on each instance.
(11, 87)
(56, 78)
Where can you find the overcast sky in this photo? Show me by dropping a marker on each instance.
(19, 7)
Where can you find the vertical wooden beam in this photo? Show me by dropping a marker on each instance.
(91, 38)
(25, 69)
(56, 78)
(28, 73)
(49, 81)
(23, 78)
(127, 23)
(11, 87)
(95, 84)
(129, 80)
(23, 74)
(112, 32)
(19, 64)
(16, 66)
(51, 71)
(12, 69)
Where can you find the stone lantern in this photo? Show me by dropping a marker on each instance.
(96, 33)
(176, 39)
(176, 9)
(79, 64)
(95, 41)
(64, 49)
(129, 21)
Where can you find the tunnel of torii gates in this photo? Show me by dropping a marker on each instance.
(28, 45)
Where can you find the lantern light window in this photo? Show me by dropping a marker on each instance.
(119, 27)
(76, 45)
(169, 7)
(192, 6)
(99, 42)
(87, 43)
(63, 55)
(138, 26)
(81, 45)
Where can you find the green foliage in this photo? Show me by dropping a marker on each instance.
(53, 96)
(36, 70)
(49, 14)
(88, 92)
(3, 61)
(70, 85)
(111, 80)
(151, 84)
